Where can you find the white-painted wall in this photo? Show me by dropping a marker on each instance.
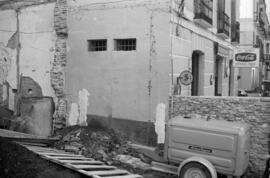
(37, 44)
(37, 39)
(118, 80)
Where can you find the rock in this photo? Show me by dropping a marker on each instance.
(74, 139)
(135, 163)
(71, 148)
(66, 138)
(145, 159)
(104, 155)
(94, 135)
(76, 144)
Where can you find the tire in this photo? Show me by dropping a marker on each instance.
(194, 170)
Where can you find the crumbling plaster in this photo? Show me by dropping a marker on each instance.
(31, 51)
(37, 44)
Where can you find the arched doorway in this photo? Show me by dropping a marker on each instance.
(197, 72)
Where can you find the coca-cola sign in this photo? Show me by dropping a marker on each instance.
(245, 57)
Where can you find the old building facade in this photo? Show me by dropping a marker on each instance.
(127, 56)
(33, 50)
(254, 31)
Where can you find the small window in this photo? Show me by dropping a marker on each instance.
(97, 45)
(125, 44)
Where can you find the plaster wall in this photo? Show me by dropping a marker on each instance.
(37, 39)
(7, 29)
(7, 25)
(122, 84)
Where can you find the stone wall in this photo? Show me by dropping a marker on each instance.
(59, 63)
(254, 111)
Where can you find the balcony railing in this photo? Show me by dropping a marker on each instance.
(223, 24)
(259, 18)
(235, 34)
(266, 58)
(204, 11)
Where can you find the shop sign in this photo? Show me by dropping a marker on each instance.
(246, 57)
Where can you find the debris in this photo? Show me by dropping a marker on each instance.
(102, 144)
(71, 148)
(135, 163)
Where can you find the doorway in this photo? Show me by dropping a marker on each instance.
(218, 76)
(231, 78)
(197, 84)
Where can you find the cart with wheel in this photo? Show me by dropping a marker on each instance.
(196, 148)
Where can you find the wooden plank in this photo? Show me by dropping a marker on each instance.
(32, 144)
(107, 172)
(56, 154)
(72, 158)
(39, 148)
(48, 151)
(42, 149)
(126, 176)
(80, 162)
(23, 137)
(93, 166)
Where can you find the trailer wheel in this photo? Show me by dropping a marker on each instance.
(194, 170)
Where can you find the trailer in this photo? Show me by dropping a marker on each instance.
(197, 148)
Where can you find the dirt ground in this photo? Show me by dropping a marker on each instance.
(18, 162)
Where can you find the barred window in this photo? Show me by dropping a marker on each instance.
(97, 45)
(125, 44)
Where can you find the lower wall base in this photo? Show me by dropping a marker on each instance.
(137, 131)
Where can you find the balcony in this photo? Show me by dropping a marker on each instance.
(268, 33)
(266, 58)
(259, 19)
(223, 25)
(235, 33)
(203, 10)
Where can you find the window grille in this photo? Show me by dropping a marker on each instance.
(125, 44)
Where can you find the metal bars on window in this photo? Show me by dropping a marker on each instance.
(125, 44)
(97, 45)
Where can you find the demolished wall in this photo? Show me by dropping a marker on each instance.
(253, 111)
(59, 63)
(39, 51)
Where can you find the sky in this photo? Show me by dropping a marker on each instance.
(268, 8)
(246, 8)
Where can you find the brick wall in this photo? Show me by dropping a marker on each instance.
(254, 111)
(59, 63)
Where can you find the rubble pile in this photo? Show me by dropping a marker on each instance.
(99, 143)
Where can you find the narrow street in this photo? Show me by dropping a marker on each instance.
(178, 87)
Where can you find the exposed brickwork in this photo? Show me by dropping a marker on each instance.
(59, 63)
(254, 111)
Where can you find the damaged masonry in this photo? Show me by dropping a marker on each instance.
(135, 88)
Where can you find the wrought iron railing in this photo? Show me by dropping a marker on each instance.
(204, 10)
(223, 23)
(266, 58)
